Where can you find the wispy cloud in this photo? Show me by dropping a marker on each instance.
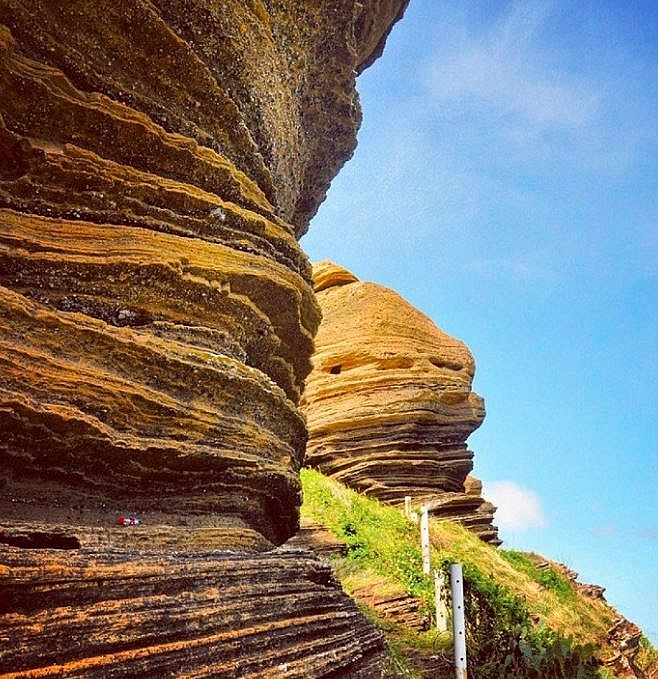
(647, 533)
(504, 68)
(516, 268)
(519, 509)
(606, 530)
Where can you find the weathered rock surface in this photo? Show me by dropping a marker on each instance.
(468, 508)
(624, 636)
(158, 161)
(204, 614)
(318, 539)
(155, 308)
(389, 404)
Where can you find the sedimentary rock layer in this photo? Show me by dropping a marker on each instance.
(158, 161)
(467, 508)
(195, 90)
(389, 404)
(205, 614)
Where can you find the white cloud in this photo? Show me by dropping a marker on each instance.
(505, 68)
(519, 509)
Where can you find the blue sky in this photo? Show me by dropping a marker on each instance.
(505, 183)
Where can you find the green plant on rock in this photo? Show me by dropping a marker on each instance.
(548, 577)
(375, 535)
(504, 644)
(646, 659)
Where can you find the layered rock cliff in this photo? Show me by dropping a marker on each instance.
(389, 404)
(96, 614)
(158, 161)
(157, 317)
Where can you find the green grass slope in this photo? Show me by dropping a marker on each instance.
(525, 618)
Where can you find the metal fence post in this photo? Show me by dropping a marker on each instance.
(458, 620)
(425, 539)
(440, 604)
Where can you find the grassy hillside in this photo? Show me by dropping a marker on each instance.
(525, 617)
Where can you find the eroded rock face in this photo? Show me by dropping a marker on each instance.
(158, 161)
(156, 318)
(205, 614)
(467, 508)
(389, 404)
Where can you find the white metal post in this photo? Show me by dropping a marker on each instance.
(425, 539)
(440, 604)
(407, 506)
(458, 620)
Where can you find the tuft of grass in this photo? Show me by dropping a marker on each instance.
(377, 537)
(547, 577)
(647, 658)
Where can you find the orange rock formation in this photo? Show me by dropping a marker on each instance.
(389, 404)
(158, 161)
(95, 614)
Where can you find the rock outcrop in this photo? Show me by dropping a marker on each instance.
(158, 161)
(468, 508)
(389, 404)
(157, 318)
(97, 614)
(623, 638)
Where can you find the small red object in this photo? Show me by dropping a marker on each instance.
(128, 521)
